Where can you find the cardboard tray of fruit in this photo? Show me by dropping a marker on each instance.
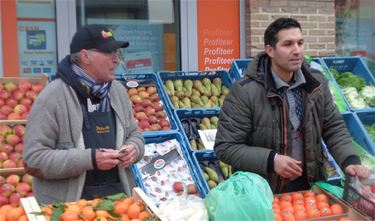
(150, 110)
(17, 95)
(11, 148)
(313, 205)
(199, 89)
(210, 171)
(360, 194)
(192, 120)
(86, 209)
(14, 186)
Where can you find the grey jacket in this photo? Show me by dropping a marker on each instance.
(54, 148)
(254, 121)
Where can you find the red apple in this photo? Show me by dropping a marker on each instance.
(140, 116)
(178, 187)
(14, 116)
(144, 124)
(19, 130)
(2, 180)
(138, 108)
(152, 120)
(11, 102)
(6, 148)
(151, 90)
(24, 85)
(132, 91)
(161, 114)
(155, 127)
(2, 102)
(14, 199)
(3, 156)
(26, 101)
(6, 109)
(27, 178)
(19, 148)
(23, 189)
(157, 106)
(5, 94)
(20, 108)
(25, 115)
(9, 164)
(10, 86)
(31, 94)
(150, 111)
(5, 130)
(37, 87)
(15, 156)
(20, 163)
(12, 139)
(163, 123)
(18, 94)
(3, 116)
(3, 200)
(146, 102)
(155, 98)
(13, 179)
(192, 188)
(6, 189)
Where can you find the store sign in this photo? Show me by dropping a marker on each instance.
(218, 34)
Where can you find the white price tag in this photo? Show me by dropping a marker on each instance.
(208, 138)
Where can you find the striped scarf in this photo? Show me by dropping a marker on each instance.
(96, 90)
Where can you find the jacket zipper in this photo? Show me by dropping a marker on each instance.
(284, 141)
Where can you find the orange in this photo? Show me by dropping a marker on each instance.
(73, 207)
(287, 209)
(278, 217)
(276, 200)
(322, 205)
(310, 202)
(321, 197)
(3, 217)
(95, 201)
(124, 217)
(337, 209)
(23, 218)
(14, 214)
(5, 208)
(325, 211)
(144, 215)
(128, 201)
(81, 203)
(284, 204)
(88, 213)
(101, 213)
(121, 208)
(298, 202)
(69, 216)
(134, 211)
(308, 193)
(288, 216)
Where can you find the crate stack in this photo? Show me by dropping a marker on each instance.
(17, 95)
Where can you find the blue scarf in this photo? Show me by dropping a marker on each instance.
(97, 90)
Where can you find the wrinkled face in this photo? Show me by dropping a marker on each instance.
(287, 55)
(101, 66)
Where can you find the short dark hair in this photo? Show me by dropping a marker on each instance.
(270, 35)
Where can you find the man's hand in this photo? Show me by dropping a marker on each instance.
(287, 167)
(128, 156)
(360, 171)
(106, 159)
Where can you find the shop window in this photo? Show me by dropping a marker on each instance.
(151, 27)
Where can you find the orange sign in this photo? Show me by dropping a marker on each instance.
(218, 33)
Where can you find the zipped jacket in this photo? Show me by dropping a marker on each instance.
(254, 121)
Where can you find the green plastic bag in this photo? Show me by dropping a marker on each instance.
(244, 196)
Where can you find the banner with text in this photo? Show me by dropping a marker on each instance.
(218, 34)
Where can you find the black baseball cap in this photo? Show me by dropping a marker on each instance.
(95, 37)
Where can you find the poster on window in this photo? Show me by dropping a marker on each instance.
(145, 51)
(37, 49)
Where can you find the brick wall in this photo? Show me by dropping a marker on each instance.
(317, 18)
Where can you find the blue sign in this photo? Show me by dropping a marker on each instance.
(36, 40)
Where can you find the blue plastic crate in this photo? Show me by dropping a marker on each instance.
(357, 131)
(367, 118)
(203, 157)
(193, 113)
(371, 65)
(159, 139)
(238, 68)
(350, 64)
(154, 78)
(192, 75)
(338, 175)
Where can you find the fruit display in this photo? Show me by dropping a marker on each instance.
(194, 120)
(196, 89)
(113, 207)
(12, 213)
(148, 108)
(11, 145)
(14, 187)
(307, 205)
(17, 96)
(212, 171)
(164, 171)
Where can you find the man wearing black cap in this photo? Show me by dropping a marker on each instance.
(79, 123)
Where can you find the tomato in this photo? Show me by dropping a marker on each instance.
(300, 214)
(322, 205)
(312, 212)
(286, 197)
(299, 202)
(321, 197)
(297, 196)
(308, 193)
(325, 211)
(337, 209)
(284, 204)
(310, 202)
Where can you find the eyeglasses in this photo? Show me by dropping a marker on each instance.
(112, 54)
